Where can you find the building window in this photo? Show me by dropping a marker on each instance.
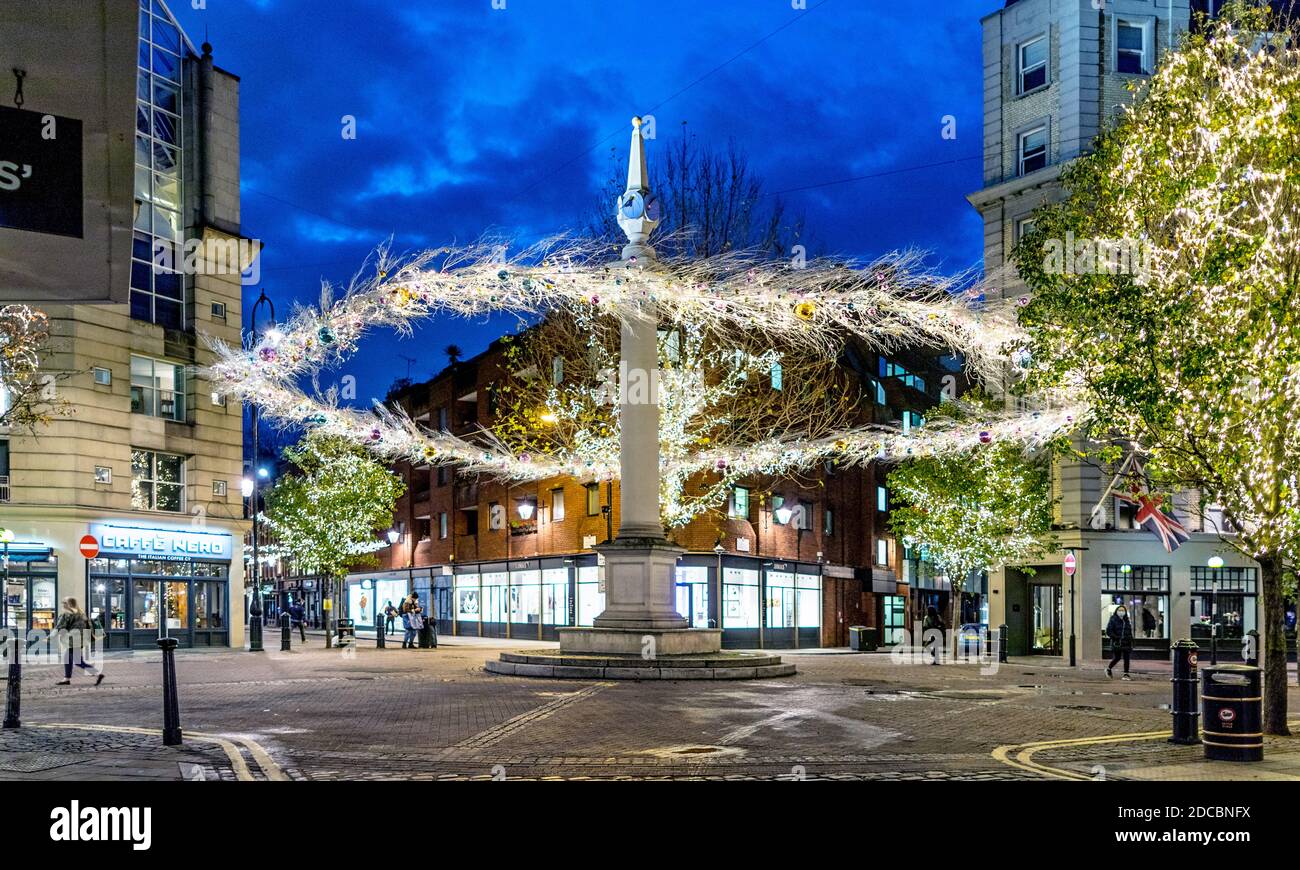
(1125, 515)
(157, 481)
(879, 390)
(1033, 150)
(471, 522)
(557, 505)
(1133, 45)
(739, 508)
(103, 376)
(891, 369)
(1223, 602)
(422, 528)
(776, 374)
(157, 388)
(103, 474)
(219, 488)
(442, 525)
(882, 551)
(778, 502)
(442, 475)
(828, 522)
(218, 311)
(218, 400)
(1141, 589)
(442, 419)
(157, 287)
(912, 420)
(593, 499)
(882, 499)
(1024, 227)
(1033, 64)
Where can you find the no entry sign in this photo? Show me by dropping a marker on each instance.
(89, 546)
(1069, 564)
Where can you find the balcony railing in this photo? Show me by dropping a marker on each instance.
(168, 404)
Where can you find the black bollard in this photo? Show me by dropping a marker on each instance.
(1002, 642)
(171, 709)
(14, 688)
(286, 631)
(1250, 648)
(379, 631)
(1186, 705)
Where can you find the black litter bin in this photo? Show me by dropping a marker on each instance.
(1232, 713)
(347, 631)
(862, 638)
(428, 637)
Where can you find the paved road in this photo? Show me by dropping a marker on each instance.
(435, 714)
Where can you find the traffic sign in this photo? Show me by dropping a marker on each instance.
(89, 546)
(1069, 564)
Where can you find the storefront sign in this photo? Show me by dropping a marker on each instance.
(162, 543)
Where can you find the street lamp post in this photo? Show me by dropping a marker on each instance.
(1215, 564)
(13, 688)
(255, 604)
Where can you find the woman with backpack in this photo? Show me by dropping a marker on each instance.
(72, 629)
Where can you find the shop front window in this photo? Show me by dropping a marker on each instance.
(526, 596)
(893, 613)
(740, 604)
(108, 603)
(810, 600)
(692, 595)
(494, 596)
(145, 605)
(209, 606)
(555, 596)
(1223, 602)
(1144, 591)
(591, 601)
(467, 598)
(780, 599)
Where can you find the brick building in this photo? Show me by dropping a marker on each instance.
(516, 560)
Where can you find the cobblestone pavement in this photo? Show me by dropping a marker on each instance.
(435, 714)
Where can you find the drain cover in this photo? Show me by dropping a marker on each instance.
(31, 762)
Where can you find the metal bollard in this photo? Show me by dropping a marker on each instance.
(171, 709)
(1186, 704)
(1002, 643)
(286, 631)
(1250, 652)
(14, 688)
(379, 631)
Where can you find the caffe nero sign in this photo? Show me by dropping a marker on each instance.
(167, 544)
(40, 173)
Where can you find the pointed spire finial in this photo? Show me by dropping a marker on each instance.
(636, 209)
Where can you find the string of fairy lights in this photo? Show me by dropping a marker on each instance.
(816, 306)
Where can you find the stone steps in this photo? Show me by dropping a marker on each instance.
(738, 666)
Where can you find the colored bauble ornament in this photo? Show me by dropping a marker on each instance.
(430, 452)
(325, 334)
(805, 310)
(1022, 301)
(503, 275)
(986, 437)
(376, 435)
(721, 464)
(268, 354)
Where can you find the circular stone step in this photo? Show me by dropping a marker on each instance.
(715, 666)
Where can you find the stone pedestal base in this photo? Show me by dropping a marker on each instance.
(647, 643)
(640, 585)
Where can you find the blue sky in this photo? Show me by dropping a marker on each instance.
(473, 119)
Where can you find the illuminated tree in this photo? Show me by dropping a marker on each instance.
(1193, 351)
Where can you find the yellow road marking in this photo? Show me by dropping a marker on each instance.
(1024, 752)
(242, 773)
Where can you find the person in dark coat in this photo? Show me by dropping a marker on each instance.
(933, 622)
(1148, 622)
(1120, 632)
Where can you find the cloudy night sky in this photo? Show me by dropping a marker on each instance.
(474, 120)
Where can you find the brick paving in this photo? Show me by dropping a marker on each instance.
(435, 714)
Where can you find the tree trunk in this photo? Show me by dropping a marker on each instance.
(1274, 657)
(954, 614)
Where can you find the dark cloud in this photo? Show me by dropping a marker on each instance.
(473, 120)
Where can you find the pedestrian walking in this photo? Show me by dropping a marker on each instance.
(71, 627)
(298, 612)
(390, 616)
(1120, 632)
(932, 622)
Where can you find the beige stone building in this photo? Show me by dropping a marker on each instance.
(147, 467)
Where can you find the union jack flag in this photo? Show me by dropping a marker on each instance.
(1157, 519)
